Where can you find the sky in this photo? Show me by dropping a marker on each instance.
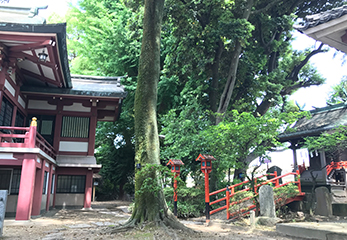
(329, 65)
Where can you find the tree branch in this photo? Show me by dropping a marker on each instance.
(267, 7)
(293, 75)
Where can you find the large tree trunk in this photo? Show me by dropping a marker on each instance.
(235, 57)
(149, 206)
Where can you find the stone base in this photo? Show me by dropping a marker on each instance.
(339, 209)
(267, 221)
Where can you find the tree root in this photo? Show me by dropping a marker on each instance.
(167, 224)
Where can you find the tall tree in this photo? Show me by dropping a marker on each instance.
(149, 205)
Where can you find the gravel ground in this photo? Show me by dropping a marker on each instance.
(100, 222)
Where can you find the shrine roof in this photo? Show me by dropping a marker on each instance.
(322, 119)
(25, 41)
(86, 85)
(205, 157)
(321, 18)
(175, 162)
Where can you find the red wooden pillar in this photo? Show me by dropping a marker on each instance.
(298, 180)
(92, 130)
(175, 194)
(207, 196)
(49, 186)
(228, 201)
(27, 181)
(55, 186)
(26, 189)
(40, 173)
(88, 190)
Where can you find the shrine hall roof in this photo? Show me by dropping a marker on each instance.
(322, 119)
(321, 18)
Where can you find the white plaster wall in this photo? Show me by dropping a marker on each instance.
(21, 101)
(7, 156)
(41, 104)
(48, 72)
(43, 202)
(69, 146)
(10, 88)
(110, 107)
(13, 78)
(69, 199)
(11, 205)
(76, 107)
(107, 118)
(51, 200)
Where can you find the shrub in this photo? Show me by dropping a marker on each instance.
(190, 201)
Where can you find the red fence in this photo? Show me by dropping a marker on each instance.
(27, 138)
(230, 192)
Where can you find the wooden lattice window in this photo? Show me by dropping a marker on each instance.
(75, 127)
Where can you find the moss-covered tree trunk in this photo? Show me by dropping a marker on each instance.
(149, 206)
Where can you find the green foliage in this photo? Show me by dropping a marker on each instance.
(190, 201)
(198, 40)
(230, 142)
(333, 142)
(339, 92)
(240, 205)
(282, 194)
(104, 38)
(150, 173)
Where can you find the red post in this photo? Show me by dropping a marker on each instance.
(255, 185)
(228, 202)
(88, 190)
(175, 194)
(207, 197)
(175, 168)
(277, 182)
(26, 189)
(49, 186)
(206, 168)
(298, 180)
(32, 133)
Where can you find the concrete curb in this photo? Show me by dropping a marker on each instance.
(310, 230)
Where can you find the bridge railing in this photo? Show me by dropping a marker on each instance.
(230, 191)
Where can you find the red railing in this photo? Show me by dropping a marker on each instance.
(230, 192)
(29, 138)
(336, 166)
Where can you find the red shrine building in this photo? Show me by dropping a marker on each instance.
(48, 121)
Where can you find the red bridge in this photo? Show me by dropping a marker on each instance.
(230, 193)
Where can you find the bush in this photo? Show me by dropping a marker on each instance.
(238, 207)
(190, 201)
(283, 193)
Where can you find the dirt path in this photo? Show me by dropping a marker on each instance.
(99, 223)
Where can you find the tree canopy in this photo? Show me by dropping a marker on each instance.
(226, 71)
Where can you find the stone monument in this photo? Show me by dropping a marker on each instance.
(323, 204)
(3, 200)
(266, 202)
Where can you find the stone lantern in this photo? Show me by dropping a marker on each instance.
(176, 169)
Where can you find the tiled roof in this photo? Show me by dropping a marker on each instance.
(322, 119)
(205, 157)
(86, 85)
(320, 18)
(175, 162)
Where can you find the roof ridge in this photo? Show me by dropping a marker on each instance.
(320, 18)
(329, 108)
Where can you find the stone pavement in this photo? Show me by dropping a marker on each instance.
(315, 230)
